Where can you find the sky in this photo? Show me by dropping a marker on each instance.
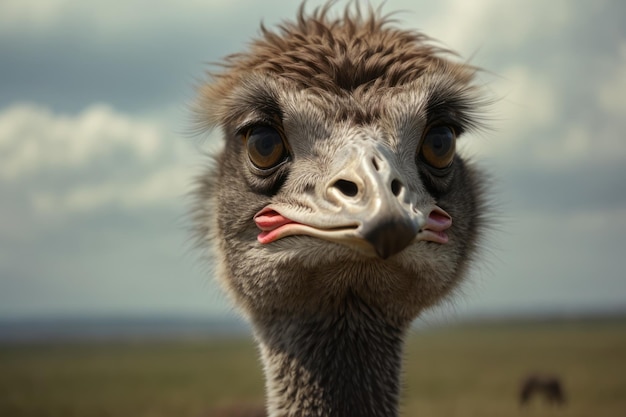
(97, 159)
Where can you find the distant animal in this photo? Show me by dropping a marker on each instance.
(547, 386)
(338, 209)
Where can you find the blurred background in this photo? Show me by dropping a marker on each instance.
(97, 158)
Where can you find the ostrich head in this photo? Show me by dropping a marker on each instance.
(338, 208)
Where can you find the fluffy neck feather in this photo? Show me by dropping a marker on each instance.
(344, 365)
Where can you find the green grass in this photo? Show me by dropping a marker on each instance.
(476, 370)
(462, 371)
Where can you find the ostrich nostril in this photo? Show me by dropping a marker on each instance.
(396, 187)
(347, 188)
(375, 164)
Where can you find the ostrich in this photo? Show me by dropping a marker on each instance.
(337, 209)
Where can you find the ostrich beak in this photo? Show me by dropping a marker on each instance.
(393, 233)
(390, 235)
(370, 188)
(385, 236)
(365, 205)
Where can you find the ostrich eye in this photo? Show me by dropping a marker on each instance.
(266, 148)
(438, 146)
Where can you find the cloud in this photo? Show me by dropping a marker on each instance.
(166, 185)
(33, 139)
(68, 54)
(612, 92)
(469, 26)
(525, 101)
(103, 17)
(95, 158)
(111, 20)
(92, 215)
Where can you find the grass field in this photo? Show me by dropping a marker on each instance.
(464, 371)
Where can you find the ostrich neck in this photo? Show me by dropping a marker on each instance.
(344, 365)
